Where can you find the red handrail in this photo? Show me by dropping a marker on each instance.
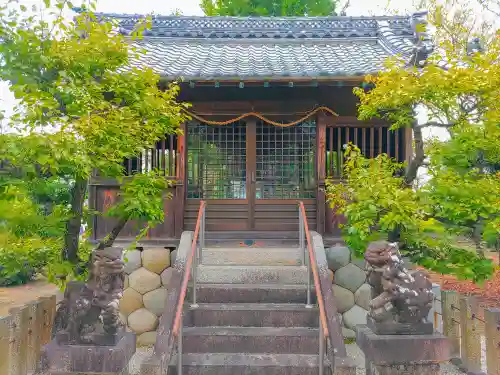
(312, 262)
(187, 272)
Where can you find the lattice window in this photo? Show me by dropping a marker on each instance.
(285, 161)
(216, 161)
(372, 141)
(162, 157)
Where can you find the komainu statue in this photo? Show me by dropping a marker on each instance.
(400, 298)
(89, 312)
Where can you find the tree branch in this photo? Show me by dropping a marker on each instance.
(437, 125)
(110, 239)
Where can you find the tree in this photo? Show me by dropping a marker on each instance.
(377, 203)
(458, 86)
(269, 8)
(82, 104)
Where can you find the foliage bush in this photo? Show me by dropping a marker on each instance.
(30, 237)
(378, 204)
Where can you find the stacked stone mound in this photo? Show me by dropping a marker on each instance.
(148, 273)
(351, 291)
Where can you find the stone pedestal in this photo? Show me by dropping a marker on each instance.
(111, 358)
(409, 354)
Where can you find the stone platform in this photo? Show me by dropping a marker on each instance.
(403, 354)
(58, 358)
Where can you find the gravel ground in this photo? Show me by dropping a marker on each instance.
(353, 351)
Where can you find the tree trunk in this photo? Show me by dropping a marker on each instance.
(72, 237)
(394, 235)
(110, 239)
(418, 160)
(477, 236)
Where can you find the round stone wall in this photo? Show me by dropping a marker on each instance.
(148, 273)
(351, 291)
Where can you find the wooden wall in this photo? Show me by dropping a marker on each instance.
(277, 103)
(104, 193)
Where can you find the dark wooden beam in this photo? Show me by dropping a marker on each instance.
(321, 172)
(180, 191)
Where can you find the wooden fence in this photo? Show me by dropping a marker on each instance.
(23, 333)
(474, 333)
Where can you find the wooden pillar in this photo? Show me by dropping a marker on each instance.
(321, 173)
(181, 184)
(492, 333)
(408, 152)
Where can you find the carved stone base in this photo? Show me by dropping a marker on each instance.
(391, 328)
(425, 369)
(63, 338)
(402, 354)
(66, 359)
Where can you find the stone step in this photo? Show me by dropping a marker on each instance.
(211, 274)
(251, 340)
(247, 364)
(252, 315)
(251, 293)
(267, 256)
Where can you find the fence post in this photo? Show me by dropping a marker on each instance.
(436, 308)
(451, 328)
(470, 336)
(18, 340)
(5, 325)
(492, 333)
(49, 311)
(35, 328)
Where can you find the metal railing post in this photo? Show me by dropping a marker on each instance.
(321, 349)
(301, 237)
(309, 304)
(179, 349)
(305, 256)
(194, 273)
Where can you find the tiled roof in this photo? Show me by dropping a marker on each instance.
(237, 48)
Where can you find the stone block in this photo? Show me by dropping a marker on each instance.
(143, 280)
(173, 257)
(350, 277)
(344, 366)
(65, 359)
(359, 262)
(363, 296)
(403, 354)
(337, 257)
(354, 317)
(344, 298)
(126, 282)
(166, 275)
(132, 261)
(348, 333)
(156, 260)
(142, 320)
(392, 328)
(130, 301)
(155, 301)
(147, 339)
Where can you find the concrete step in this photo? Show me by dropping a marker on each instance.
(262, 256)
(248, 364)
(251, 293)
(252, 315)
(211, 274)
(251, 340)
